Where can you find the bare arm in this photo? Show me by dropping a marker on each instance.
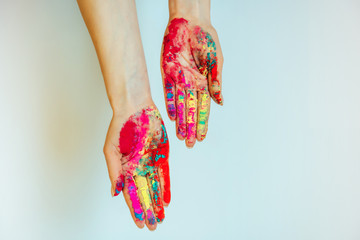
(136, 146)
(114, 29)
(191, 9)
(191, 64)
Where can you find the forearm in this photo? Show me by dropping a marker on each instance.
(114, 30)
(195, 10)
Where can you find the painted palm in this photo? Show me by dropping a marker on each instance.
(144, 147)
(190, 70)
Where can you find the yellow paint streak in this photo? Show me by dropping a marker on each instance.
(203, 114)
(143, 191)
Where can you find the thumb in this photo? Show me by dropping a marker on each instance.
(113, 162)
(214, 61)
(214, 78)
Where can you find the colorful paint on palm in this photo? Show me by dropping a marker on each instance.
(144, 145)
(190, 72)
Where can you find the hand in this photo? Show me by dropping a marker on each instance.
(136, 151)
(191, 69)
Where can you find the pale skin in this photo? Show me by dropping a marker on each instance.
(114, 29)
(190, 41)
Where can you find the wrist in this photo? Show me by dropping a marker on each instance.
(130, 103)
(130, 94)
(197, 11)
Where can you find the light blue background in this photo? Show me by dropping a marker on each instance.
(281, 160)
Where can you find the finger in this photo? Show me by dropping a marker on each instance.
(169, 91)
(164, 176)
(214, 71)
(191, 116)
(203, 114)
(119, 185)
(154, 186)
(113, 162)
(145, 200)
(181, 111)
(214, 77)
(132, 200)
(161, 156)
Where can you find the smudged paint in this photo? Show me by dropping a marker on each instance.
(156, 196)
(181, 112)
(132, 190)
(203, 115)
(150, 217)
(164, 171)
(169, 91)
(191, 115)
(145, 147)
(119, 185)
(208, 63)
(145, 198)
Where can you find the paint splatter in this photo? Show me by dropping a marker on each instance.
(190, 70)
(203, 115)
(145, 147)
(119, 185)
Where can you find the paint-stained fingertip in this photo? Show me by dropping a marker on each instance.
(180, 135)
(151, 219)
(221, 102)
(151, 222)
(118, 187)
(114, 193)
(190, 144)
(172, 116)
(167, 198)
(218, 98)
(152, 227)
(160, 220)
(160, 215)
(201, 138)
(140, 224)
(171, 111)
(165, 204)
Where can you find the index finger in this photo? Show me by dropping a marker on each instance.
(169, 91)
(214, 69)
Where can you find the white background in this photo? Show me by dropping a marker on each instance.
(281, 159)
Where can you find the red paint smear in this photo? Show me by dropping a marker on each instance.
(173, 45)
(131, 135)
(127, 137)
(178, 40)
(119, 185)
(164, 169)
